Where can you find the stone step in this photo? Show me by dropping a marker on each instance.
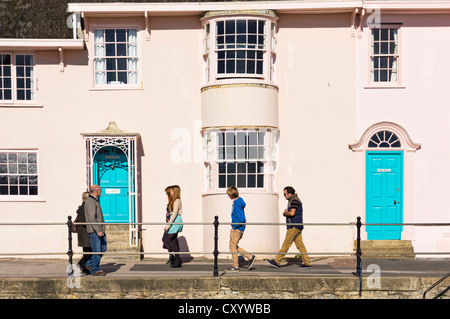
(118, 240)
(387, 249)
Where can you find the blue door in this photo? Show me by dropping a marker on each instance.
(111, 174)
(384, 198)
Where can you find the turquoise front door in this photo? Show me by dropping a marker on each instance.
(111, 174)
(384, 197)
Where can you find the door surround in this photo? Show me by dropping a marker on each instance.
(408, 147)
(127, 143)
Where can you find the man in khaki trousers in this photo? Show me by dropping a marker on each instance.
(294, 215)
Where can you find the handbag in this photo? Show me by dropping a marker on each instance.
(176, 228)
(74, 228)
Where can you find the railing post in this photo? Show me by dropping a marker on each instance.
(358, 253)
(70, 251)
(216, 245)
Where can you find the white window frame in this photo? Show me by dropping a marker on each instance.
(116, 86)
(19, 197)
(397, 55)
(211, 51)
(212, 160)
(14, 76)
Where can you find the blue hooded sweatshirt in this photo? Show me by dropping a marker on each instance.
(237, 214)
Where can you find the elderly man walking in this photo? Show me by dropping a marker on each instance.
(96, 230)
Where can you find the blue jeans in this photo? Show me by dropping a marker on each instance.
(98, 244)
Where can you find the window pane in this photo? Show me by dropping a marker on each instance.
(21, 95)
(222, 181)
(121, 35)
(20, 59)
(251, 181)
(109, 35)
(121, 50)
(111, 77)
(260, 181)
(240, 66)
(221, 67)
(122, 77)
(241, 181)
(220, 28)
(231, 180)
(241, 153)
(110, 50)
(230, 27)
(241, 26)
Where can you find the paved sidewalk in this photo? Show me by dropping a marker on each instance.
(202, 267)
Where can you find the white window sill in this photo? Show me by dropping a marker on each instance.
(118, 88)
(385, 86)
(241, 192)
(6, 198)
(22, 105)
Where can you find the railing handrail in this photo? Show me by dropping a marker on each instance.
(435, 284)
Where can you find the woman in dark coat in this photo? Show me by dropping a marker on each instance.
(83, 237)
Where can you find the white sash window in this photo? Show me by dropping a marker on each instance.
(18, 173)
(241, 158)
(115, 57)
(16, 78)
(241, 47)
(384, 57)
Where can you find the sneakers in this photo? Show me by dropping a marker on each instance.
(304, 266)
(251, 262)
(273, 263)
(234, 269)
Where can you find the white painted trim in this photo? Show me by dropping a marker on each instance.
(41, 44)
(408, 147)
(196, 8)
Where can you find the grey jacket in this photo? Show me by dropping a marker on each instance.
(93, 213)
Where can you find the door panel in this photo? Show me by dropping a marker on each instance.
(111, 174)
(384, 197)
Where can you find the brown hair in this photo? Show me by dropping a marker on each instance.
(176, 195)
(233, 192)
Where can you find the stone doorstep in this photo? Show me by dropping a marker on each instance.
(118, 237)
(387, 249)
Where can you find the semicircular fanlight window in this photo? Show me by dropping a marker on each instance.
(384, 139)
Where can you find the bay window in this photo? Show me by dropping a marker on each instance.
(239, 47)
(244, 158)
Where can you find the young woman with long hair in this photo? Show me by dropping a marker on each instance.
(175, 223)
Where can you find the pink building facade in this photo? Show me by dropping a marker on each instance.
(343, 100)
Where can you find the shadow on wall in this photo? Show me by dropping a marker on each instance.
(184, 247)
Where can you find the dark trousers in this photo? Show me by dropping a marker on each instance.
(173, 246)
(85, 257)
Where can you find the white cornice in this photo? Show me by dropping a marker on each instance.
(198, 8)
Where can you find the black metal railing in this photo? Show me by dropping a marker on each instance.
(357, 253)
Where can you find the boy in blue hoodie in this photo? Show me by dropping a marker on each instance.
(237, 231)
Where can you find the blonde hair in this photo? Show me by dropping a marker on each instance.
(176, 195)
(85, 195)
(233, 192)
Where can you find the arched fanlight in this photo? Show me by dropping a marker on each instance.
(384, 139)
